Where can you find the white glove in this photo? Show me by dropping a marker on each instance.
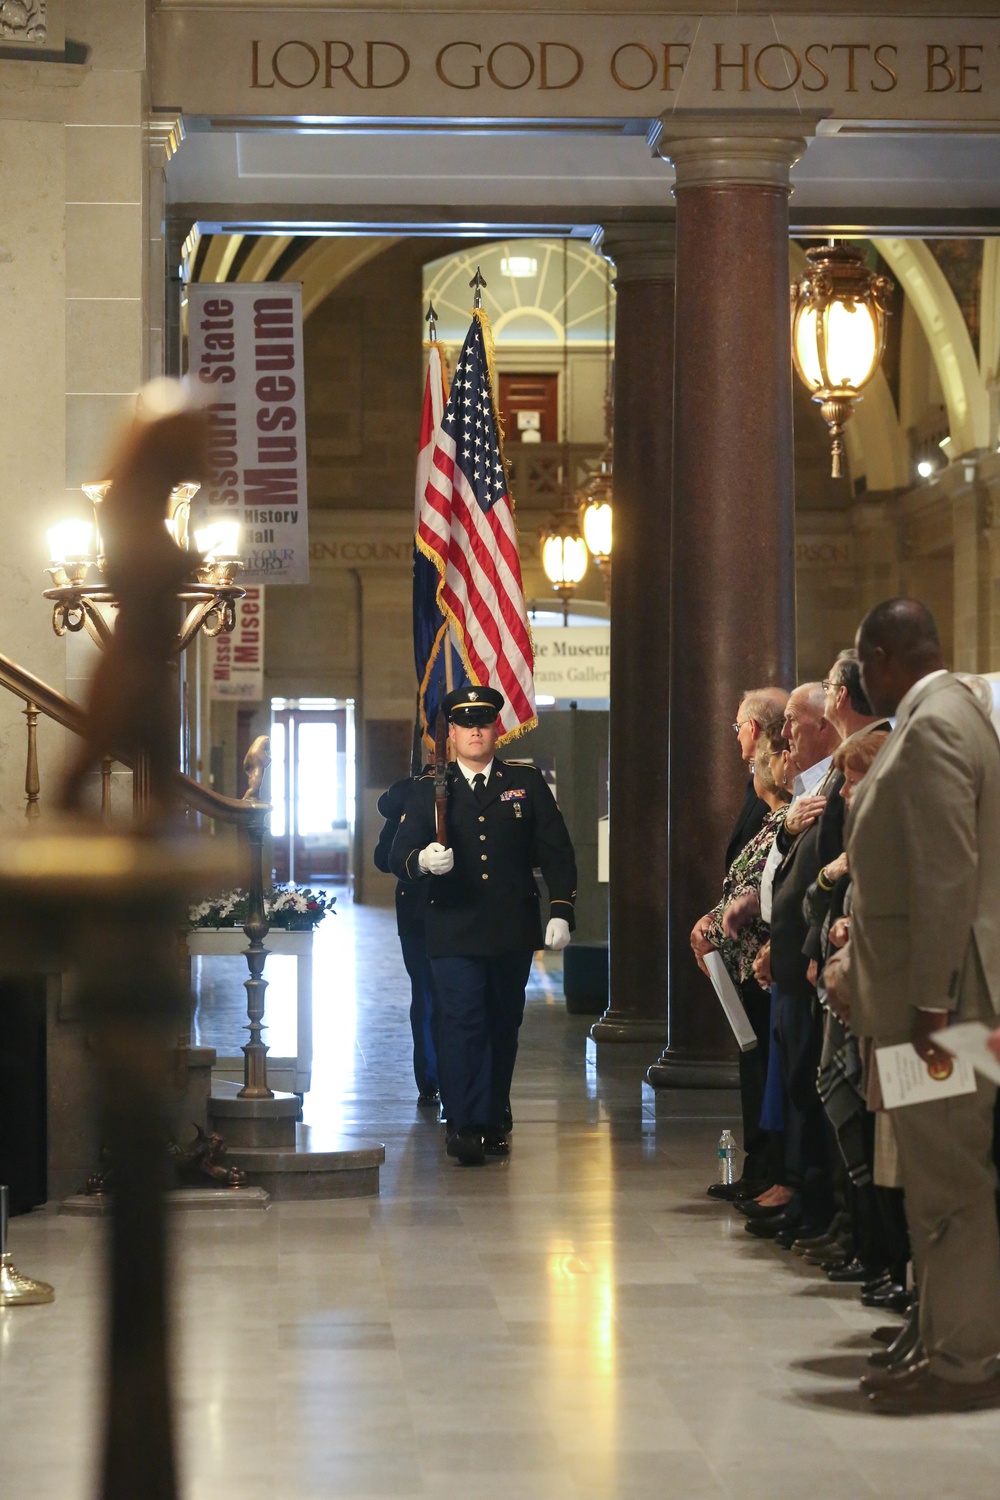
(436, 859)
(557, 933)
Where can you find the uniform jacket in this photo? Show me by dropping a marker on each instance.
(923, 841)
(489, 903)
(409, 893)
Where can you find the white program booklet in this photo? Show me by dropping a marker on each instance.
(730, 1000)
(967, 1041)
(906, 1079)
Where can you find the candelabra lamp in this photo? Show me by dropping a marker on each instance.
(82, 600)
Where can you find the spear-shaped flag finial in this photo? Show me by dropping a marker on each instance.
(431, 319)
(477, 283)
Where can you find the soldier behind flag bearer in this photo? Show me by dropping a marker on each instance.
(410, 927)
(482, 913)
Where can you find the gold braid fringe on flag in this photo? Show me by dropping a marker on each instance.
(482, 318)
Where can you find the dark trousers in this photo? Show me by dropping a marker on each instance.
(423, 1016)
(480, 1006)
(753, 1072)
(798, 1035)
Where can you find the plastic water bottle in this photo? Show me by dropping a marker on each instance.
(727, 1156)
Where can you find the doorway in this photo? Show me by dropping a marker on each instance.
(529, 407)
(312, 789)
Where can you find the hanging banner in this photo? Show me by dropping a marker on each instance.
(236, 661)
(245, 363)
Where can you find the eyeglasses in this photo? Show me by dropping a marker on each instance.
(740, 723)
(829, 683)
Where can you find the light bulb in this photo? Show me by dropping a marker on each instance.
(71, 541)
(218, 539)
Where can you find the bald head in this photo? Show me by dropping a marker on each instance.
(898, 643)
(812, 735)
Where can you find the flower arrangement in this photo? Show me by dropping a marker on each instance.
(289, 908)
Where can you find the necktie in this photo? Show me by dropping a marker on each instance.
(479, 787)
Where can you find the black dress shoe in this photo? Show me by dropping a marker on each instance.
(786, 1237)
(495, 1142)
(902, 1346)
(768, 1229)
(428, 1097)
(508, 1120)
(816, 1242)
(853, 1271)
(466, 1146)
(891, 1298)
(887, 1333)
(729, 1192)
(877, 1284)
(751, 1209)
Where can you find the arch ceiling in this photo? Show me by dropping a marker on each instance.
(525, 308)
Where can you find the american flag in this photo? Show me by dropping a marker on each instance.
(430, 627)
(466, 527)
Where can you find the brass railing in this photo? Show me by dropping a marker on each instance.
(39, 697)
(247, 813)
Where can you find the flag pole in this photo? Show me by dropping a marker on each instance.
(430, 318)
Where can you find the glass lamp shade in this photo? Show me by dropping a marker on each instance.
(71, 542)
(839, 346)
(839, 311)
(179, 520)
(595, 519)
(564, 558)
(220, 539)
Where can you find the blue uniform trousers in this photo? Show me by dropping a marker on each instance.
(423, 1017)
(480, 1006)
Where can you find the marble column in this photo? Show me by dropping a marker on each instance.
(732, 568)
(643, 255)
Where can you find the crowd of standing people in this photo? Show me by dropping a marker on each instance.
(861, 910)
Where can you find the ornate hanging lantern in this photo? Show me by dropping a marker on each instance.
(564, 554)
(839, 311)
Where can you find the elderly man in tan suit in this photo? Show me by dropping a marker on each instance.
(923, 841)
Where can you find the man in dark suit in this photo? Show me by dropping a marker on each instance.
(412, 941)
(482, 914)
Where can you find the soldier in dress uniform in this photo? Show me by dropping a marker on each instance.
(410, 927)
(482, 913)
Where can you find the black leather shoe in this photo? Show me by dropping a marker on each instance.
(427, 1098)
(786, 1237)
(751, 1209)
(887, 1333)
(891, 1298)
(466, 1146)
(508, 1120)
(878, 1283)
(767, 1229)
(495, 1143)
(853, 1271)
(816, 1242)
(902, 1346)
(729, 1192)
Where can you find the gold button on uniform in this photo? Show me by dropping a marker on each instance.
(482, 819)
(485, 876)
(482, 838)
(482, 856)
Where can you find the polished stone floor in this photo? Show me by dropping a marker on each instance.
(576, 1323)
